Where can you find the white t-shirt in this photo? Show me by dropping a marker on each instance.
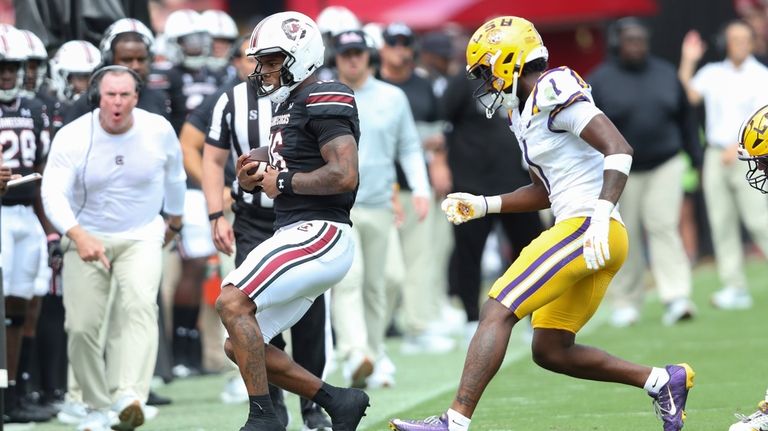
(548, 129)
(730, 94)
(114, 184)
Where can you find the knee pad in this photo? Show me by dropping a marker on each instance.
(15, 321)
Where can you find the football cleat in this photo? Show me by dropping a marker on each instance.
(432, 423)
(669, 403)
(348, 409)
(757, 421)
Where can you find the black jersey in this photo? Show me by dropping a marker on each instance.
(25, 136)
(301, 125)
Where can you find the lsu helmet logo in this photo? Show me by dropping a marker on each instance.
(495, 37)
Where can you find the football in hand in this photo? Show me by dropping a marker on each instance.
(261, 155)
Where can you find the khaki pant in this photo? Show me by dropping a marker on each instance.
(426, 248)
(729, 198)
(136, 271)
(651, 204)
(359, 301)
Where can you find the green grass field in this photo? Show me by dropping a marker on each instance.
(727, 350)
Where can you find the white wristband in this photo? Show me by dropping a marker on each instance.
(603, 210)
(493, 204)
(618, 162)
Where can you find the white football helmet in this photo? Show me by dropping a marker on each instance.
(219, 26)
(188, 41)
(73, 58)
(297, 37)
(124, 25)
(336, 20)
(37, 53)
(13, 49)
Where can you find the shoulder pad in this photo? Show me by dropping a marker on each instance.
(330, 99)
(558, 88)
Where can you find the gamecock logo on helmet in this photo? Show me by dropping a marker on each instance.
(291, 28)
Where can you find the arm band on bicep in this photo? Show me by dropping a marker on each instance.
(618, 162)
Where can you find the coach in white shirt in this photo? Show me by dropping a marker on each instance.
(730, 90)
(109, 175)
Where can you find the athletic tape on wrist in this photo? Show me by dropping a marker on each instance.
(618, 162)
(493, 204)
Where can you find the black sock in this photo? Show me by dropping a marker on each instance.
(10, 399)
(261, 408)
(325, 395)
(25, 366)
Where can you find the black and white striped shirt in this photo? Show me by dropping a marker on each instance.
(240, 121)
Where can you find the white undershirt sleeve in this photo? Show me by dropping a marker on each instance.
(575, 117)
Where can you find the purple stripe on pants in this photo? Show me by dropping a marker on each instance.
(546, 255)
(540, 282)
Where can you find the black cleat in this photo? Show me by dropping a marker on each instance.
(265, 425)
(315, 419)
(348, 409)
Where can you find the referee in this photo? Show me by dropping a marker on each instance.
(238, 122)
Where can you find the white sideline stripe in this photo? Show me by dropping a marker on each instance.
(517, 350)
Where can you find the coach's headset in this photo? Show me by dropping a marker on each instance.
(93, 96)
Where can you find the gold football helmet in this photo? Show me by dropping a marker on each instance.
(753, 148)
(497, 54)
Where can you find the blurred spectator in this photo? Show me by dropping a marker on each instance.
(422, 295)
(728, 198)
(643, 97)
(360, 300)
(223, 31)
(435, 56)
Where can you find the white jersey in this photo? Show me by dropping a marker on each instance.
(548, 130)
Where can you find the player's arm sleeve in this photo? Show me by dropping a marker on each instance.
(58, 181)
(328, 128)
(218, 133)
(575, 117)
(332, 112)
(175, 178)
(409, 152)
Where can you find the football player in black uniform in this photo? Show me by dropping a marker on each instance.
(313, 180)
(24, 136)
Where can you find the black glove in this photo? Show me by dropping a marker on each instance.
(55, 256)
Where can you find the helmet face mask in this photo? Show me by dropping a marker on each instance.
(75, 60)
(487, 93)
(757, 174)
(285, 78)
(502, 46)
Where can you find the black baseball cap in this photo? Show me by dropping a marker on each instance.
(352, 39)
(398, 32)
(438, 43)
